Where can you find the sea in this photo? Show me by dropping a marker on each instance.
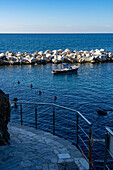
(88, 91)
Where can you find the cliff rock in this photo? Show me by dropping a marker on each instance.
(4, 118)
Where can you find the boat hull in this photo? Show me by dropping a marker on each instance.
(60, 71)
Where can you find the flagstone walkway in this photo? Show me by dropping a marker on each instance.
(36, 149)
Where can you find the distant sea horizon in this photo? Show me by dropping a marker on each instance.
(32, 42)
(56, 32)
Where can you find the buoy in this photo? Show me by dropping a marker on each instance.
(18, 82)
(31, 85)
(40, 92)
(55, 97)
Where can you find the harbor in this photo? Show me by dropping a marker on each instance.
(56, 85)
(89, 91)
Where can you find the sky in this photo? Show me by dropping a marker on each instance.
(56, 16)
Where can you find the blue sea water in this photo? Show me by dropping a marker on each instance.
(34, 42)
(89, 90)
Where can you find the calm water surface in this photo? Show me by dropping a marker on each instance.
(88, 91)
(37, 42)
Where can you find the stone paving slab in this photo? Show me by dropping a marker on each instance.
(37, 149)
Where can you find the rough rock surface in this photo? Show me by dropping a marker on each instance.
(4, 118)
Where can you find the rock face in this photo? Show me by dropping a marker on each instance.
(4, 118)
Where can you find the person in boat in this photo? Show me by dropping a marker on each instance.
(70, 68)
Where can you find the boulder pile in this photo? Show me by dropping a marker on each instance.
(56, 56)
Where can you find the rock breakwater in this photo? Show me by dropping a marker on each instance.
(56, 56)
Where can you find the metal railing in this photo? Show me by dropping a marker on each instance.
(108, 146)
(58, 119)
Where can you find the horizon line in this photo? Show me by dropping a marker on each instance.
(56, 32)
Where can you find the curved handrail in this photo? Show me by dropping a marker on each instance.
(52, 104)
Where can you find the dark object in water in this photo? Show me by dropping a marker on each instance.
(102, 112)
(15, 100)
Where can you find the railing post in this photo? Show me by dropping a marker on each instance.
(36, 116)
(77, 128)
(53, 120)
(105, 150)
(21, 112)
(90, 147)
(10, 114)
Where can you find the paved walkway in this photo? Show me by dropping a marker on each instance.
(37, 149)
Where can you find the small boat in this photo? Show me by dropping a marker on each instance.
(71, 69)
